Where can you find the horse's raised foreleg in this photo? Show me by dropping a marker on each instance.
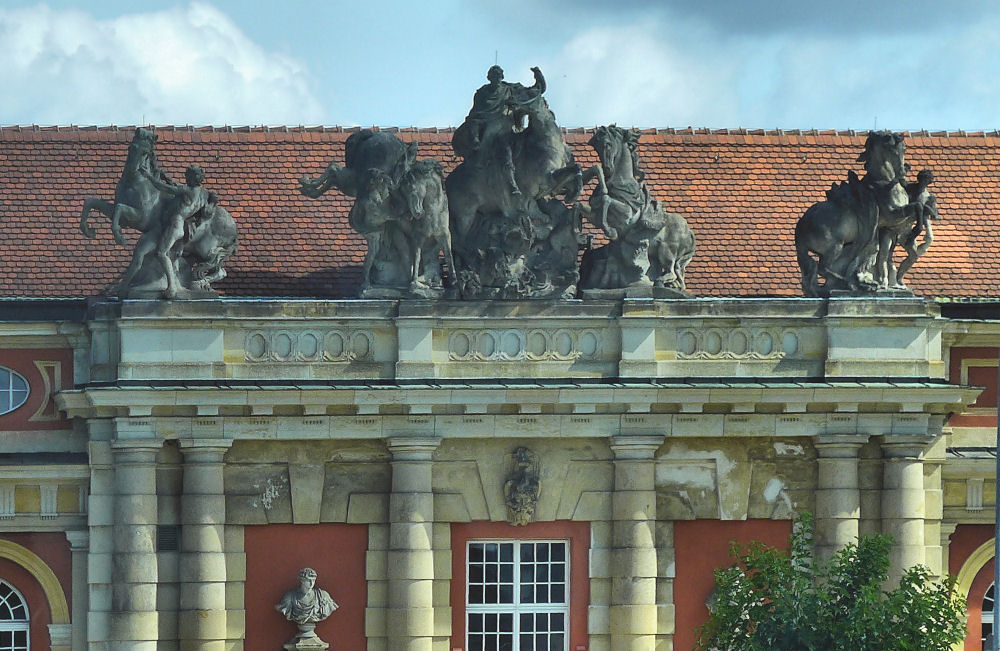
(106, 208)
(123, 214)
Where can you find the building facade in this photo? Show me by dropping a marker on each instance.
(470, 475)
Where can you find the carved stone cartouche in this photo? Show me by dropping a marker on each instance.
(306, 605)
(649, 248)
(186, 236)
(513, 237)
(848, 240)
(523, 487)
(400, 208)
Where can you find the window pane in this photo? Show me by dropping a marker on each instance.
(475, 553)
(527, 552)
(18, 383)
(492, 552)
(556, 642)
(507, 593)
(507, 552)
(542, 551)
(507, 572)
(475, 594)
(558, 594)
(558, 551)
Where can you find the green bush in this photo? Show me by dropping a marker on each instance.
(773, 600)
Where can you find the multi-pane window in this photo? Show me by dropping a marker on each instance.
(13, 619)
(517, 596)
(13, 390)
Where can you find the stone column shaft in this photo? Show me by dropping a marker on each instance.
(838, 495)
(903, 509)
(633, 613)
(410, 617)
(202, 618)
(79, 545)
(133, 621)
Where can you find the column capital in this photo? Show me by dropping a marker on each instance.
(839, 445)
(947, 528)
(79, 539)
(136, 445)
(192, 448)
(412, 448)
(636, 447)
(905, 447)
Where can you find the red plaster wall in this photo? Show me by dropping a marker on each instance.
(578, 534)
(966, 539)
(53, 548)
(985, 376)
(22, 361)
(275, 554)
(701, 546)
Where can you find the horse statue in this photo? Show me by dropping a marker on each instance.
(853, 232)
(401, 210)
(181, 264)
(648, 246)
(515, 160)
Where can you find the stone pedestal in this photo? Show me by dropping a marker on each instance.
(410, 617)
(838, 497)
(306, 640)
(202, 618)
(633, 613)
(133, 620)
(903, 503)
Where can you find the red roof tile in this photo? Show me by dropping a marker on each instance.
(741, 192)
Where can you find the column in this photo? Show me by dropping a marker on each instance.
(947, 528)
(903, 508)
(79, 545)
(410, 616)
(838, 495)
(633, 619)
(202, 617)
(133, 623)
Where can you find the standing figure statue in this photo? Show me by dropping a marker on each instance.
(190, 234)
(401, 210)
(515, 163)
(849, 238)
(649, 248)
(306, 605)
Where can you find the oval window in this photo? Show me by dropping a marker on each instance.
(13, 390)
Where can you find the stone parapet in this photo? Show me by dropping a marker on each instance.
(390, 339)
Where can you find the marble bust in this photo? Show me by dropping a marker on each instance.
(306, 605)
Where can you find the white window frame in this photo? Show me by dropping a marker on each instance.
(7, 404)
(517, 609)
(16, 625)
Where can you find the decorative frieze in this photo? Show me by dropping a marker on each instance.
(737, 343)
(333, 345)
(516, 344)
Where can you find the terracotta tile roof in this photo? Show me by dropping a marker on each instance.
(741, 191)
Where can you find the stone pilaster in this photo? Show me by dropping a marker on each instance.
(79, 545)
(947, 528)
(838, 495)
(410, 616)
(133, 623)
(903, 502)
(633, 612)
(202, 620)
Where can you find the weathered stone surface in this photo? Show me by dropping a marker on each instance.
(186, 235)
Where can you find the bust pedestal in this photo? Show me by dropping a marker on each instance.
(306, 640)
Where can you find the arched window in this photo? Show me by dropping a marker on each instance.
(13, 391)
(13, 619)
(987, 617)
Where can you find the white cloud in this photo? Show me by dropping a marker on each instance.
(188, 65)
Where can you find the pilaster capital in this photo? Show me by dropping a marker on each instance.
(947, 528)
(138, 447)
(79, 539)
(842, 446)
(635, 447)
(412, 448)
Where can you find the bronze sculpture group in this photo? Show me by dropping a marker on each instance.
(508, 221)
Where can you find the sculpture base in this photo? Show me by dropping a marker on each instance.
(416, 291)
(157, 294)
(880, 293)
(635, 291)
(306, 644)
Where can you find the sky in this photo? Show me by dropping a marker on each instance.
(790, 64)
